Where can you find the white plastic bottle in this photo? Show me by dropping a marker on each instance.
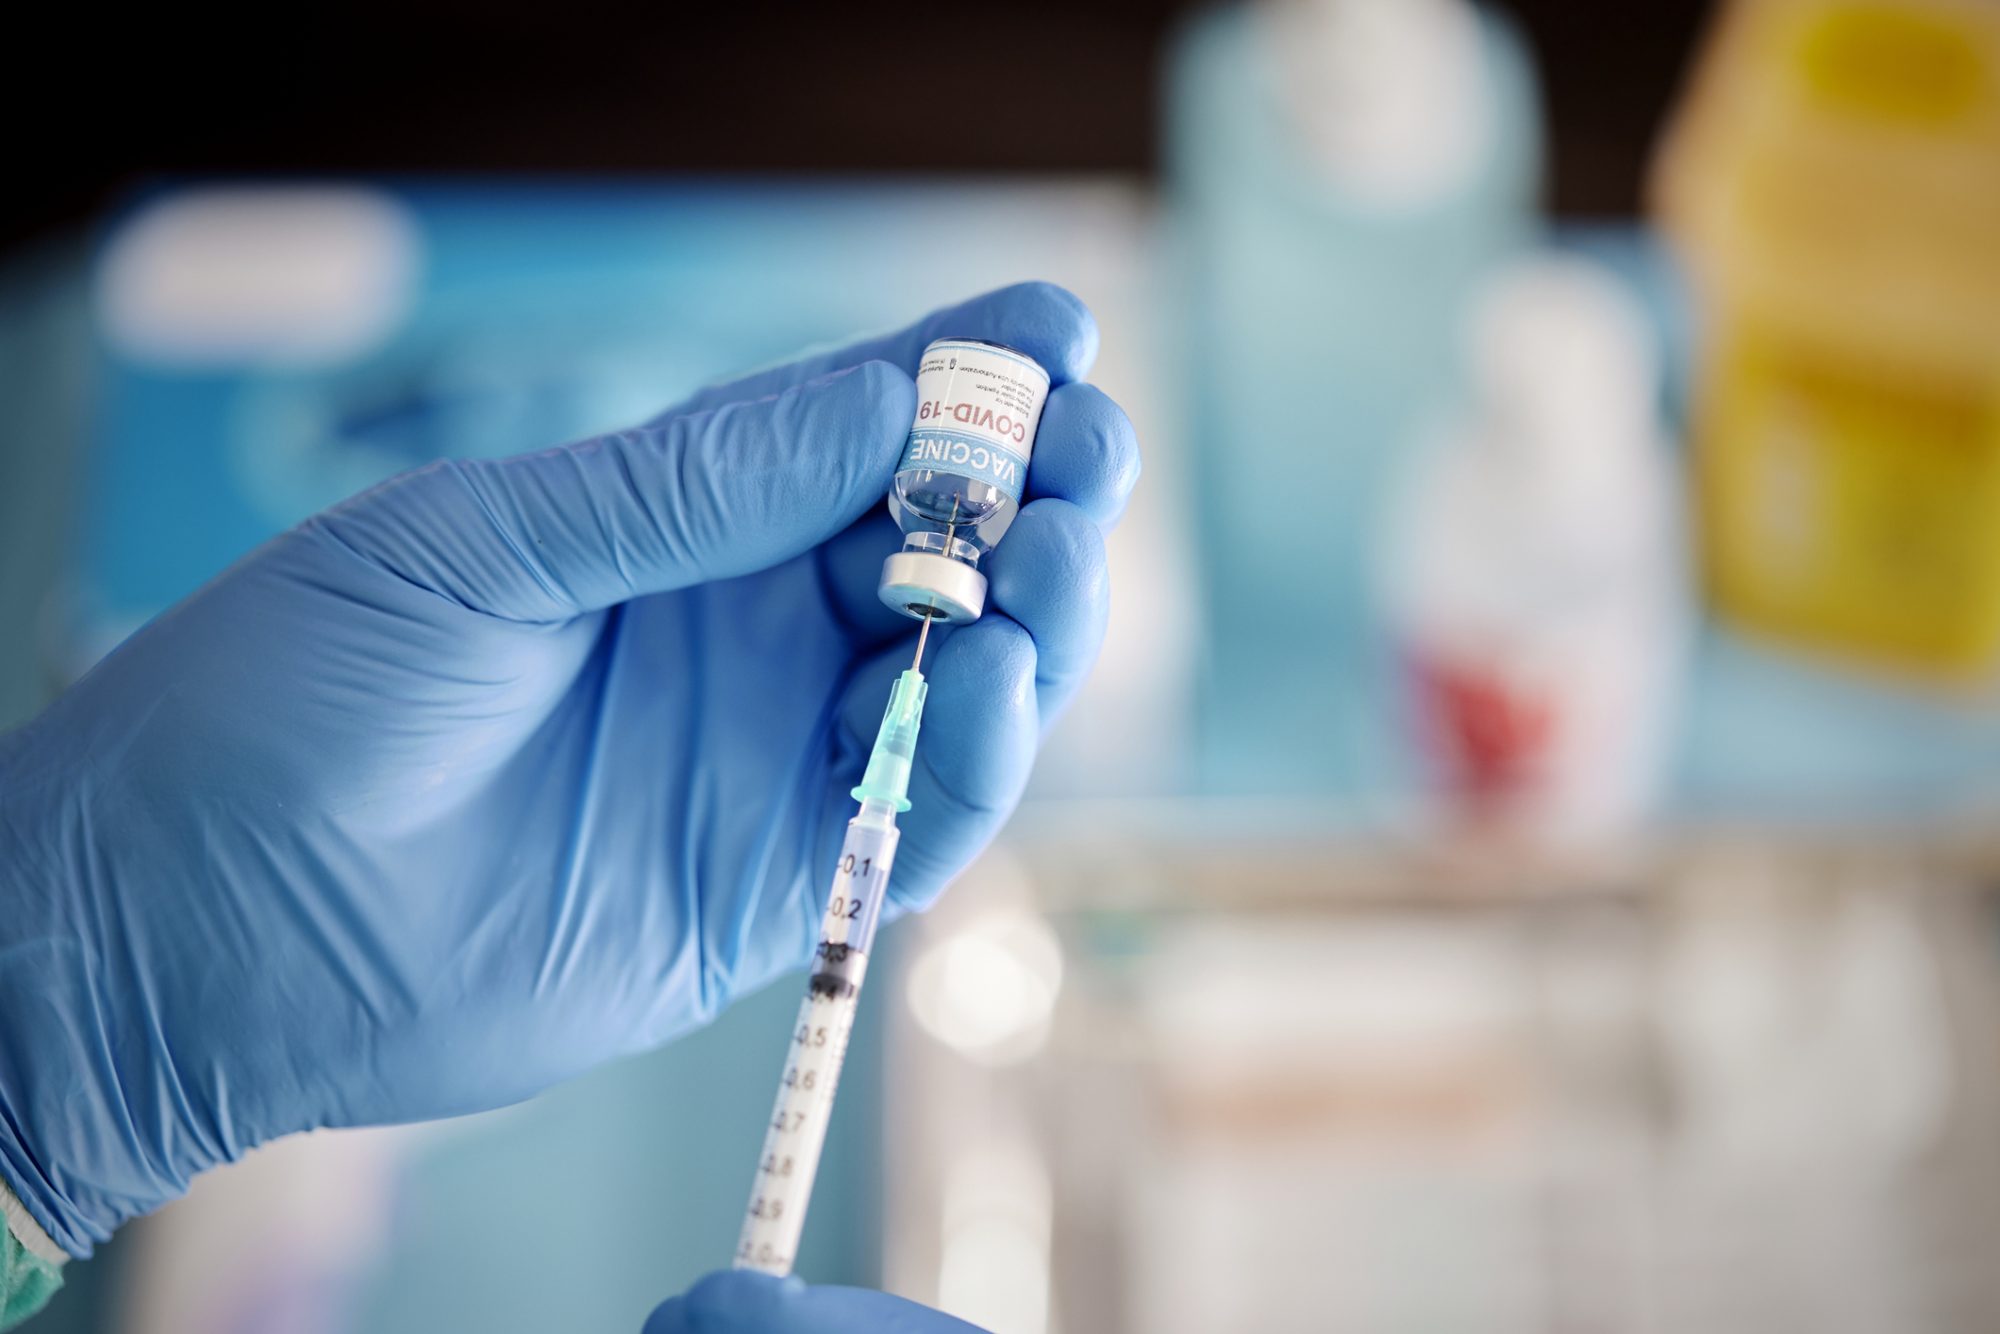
(1536, 577)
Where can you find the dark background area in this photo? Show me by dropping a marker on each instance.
(443, 86)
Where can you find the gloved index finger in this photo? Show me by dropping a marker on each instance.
(1086, 453)
(1043, 320)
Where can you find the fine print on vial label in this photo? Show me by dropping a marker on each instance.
(978, 405)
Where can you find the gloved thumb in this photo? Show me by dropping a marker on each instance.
(737, 1301)
(683, 500)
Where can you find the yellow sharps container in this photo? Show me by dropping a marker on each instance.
(1832, 183)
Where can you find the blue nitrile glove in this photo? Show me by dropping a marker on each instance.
(505, 768)
(743, 1302)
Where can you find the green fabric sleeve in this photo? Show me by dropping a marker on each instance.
(27, 1281)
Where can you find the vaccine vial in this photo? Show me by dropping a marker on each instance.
(959, 484)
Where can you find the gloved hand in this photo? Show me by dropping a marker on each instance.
(505, 768)
(743, 1302)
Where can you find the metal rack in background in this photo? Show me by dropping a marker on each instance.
(1149, 1077)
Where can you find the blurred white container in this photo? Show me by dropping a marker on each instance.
(1535, 571)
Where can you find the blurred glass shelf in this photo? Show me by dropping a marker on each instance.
(1244, 855)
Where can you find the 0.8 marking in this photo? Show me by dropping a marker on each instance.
(763, 1254)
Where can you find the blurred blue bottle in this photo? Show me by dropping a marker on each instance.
(1341, 175)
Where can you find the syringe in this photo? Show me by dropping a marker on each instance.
(797, 1134)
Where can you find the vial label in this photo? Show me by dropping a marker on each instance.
(977, 409)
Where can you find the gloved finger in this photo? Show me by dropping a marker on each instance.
(850, 567)
(744, 1302)
(996, 684)
(709, 495)
(1042, 320)
(1085, 453)
(1050, 578)
(974, 752)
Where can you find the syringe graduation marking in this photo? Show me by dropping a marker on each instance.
(797, 1131)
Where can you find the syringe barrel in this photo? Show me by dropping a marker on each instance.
(860, 882)
(796, 1134)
